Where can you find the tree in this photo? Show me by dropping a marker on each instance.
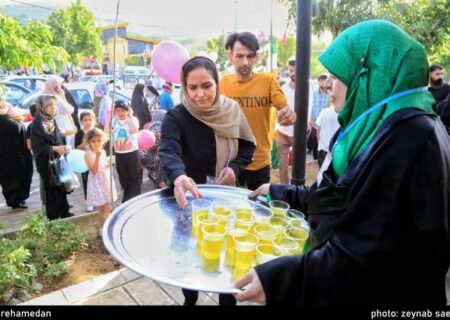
(336, 15)
(217, 44)
(425, 20)
(27, 46)
(286, 52)
(74, 29)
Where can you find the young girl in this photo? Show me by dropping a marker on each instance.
(98, 188)
(88, 121)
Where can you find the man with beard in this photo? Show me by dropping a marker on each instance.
(436, 85)
(256, 93)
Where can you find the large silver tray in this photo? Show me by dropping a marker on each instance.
(151, 235)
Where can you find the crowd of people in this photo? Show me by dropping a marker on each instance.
(378, 210)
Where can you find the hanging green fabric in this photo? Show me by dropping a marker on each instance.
(274, 156)
(374, 64)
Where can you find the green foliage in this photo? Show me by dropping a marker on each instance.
(134, 61)
(286, 52)
(27, 46)
(40, 248)
(217, 44)
(74, 29)
(425, 20)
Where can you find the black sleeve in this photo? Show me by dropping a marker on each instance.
(382, 241)
(79, 138)
(244, 156)
(296, 196)
(170, 150)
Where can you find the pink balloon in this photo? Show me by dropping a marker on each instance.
(146, 139)
(167, 59)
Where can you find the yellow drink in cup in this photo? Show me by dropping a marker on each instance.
(213, 239)
(222, 209)
(279, 223)
(264, 253)
(244, 252)
(279, 208)
(233, 232)
(285, 246)
(265, 233)
(199, 206)
(298, 234)
(203, 220)
(244, 218)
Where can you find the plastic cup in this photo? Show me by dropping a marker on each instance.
(211, 180)
(222, 209)
(244, 218)
(233, 232)
(298, 234)
(244, 252)
(203, 220)
(213, 239)
(264, 253)
(279, 223)
(285, 246)
(295, 214)
(199, 206)
(299, 223)
(262, 215)
(265, 233)
(279, 208)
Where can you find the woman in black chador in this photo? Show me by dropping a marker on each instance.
(16, 166)
(47, 140)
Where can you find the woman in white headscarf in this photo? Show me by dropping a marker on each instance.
(64, 109)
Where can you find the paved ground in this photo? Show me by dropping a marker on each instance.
(13, 219)
(123, 287)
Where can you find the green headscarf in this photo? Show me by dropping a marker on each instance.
(375, 60)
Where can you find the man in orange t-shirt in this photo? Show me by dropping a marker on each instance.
(255, 93)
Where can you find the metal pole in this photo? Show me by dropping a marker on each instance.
(271, 38)
(112, 107)
(236, 3)
(303, 56)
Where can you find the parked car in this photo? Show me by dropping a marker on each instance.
(107, 78)
(136, 74)
(14, 92)
(29, 82)
(82, 93)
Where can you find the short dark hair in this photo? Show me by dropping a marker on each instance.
(197, 63)
(322, 77)
(96, 132)
(246, 38)
(33, 110)
(435, 67)
(88, 113)
(123, 104)
(291, 62)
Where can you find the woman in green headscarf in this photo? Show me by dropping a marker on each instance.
(379, 209)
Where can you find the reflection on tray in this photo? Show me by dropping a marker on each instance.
(151, 235)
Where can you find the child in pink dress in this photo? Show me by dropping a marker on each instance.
(98, 188)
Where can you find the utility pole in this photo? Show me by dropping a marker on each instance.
(303, 57)
(271, 38)
(236, 5)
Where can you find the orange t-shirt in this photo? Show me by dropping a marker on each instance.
(256, 96)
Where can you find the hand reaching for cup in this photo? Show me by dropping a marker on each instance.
(227, 177)
(261, 190)
(183, 184)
